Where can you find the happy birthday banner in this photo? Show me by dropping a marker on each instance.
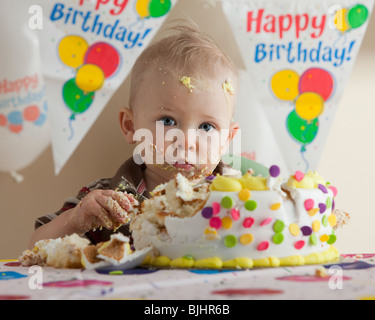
(299, 55)
(88, 49)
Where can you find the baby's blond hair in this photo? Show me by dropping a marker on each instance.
(185, 49)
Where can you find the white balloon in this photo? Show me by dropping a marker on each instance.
(24, 127)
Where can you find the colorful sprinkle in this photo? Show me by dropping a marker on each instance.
(322, 188)
(266, 222)
(246, 239)
(322, 207)
(207, 212)
(299, 176)
(230, 241)
(294, 230)
(235, 214)
(332, 239)
(332, 220)
(306, 231)
(279, 226)
(244, 195)
(215, 223)
(263, 246)
(299, 245)
(316, 225)
(227, 202)
(313, 212)
(309, 204)
(275, 206)
(313, 239)
(325, 221)
(250, 205)
(274, 171)
(334, 190)
(227, 223)
(216, 208)
(329, 202)
(278, 238)
(248, 222)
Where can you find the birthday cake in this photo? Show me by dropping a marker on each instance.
(243, 222)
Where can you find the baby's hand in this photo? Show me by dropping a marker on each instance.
(102, 208)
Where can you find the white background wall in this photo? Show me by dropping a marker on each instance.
(348, 159)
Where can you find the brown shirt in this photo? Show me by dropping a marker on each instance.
(129, 178)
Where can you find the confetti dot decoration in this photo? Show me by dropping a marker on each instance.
(294, 229)
(322, 207)
(215, 223)
(251, 205)
(334, 190)
(313, 212)
(248, 222)
(309, 204)
(306, 230)
(227, 223)
(244, 195)
(227, 202)
(235, 214)
(332, 239)
(274, 171)
(299, 176)
(216, 208)
(263, 246)
(207, 212)
(322, 188)
(266, 222)
(275, 206)
(230, 241)
(278, 238)
(329, 203)
(210, 234)
(246, 239)
(279, 226)
(313, 239)
(316, 226)
(299, 245)
(332, 220)
(325, 221)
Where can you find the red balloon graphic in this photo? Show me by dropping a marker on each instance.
(31, 113)
(3, 120)
(317, 80)
(104, 56)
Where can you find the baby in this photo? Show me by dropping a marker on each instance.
(180, 112)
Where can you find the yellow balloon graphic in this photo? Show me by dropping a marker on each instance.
(284, 85)
(340, 20)
(90, 78)
(72, 50)
(142, 7)
(309, 106)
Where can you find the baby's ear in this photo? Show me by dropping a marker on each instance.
(127, 124)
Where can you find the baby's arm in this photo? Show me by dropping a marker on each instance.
(99, 208)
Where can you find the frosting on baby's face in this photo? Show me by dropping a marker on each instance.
(189, 116)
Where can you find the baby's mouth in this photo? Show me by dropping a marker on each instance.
(180, 165)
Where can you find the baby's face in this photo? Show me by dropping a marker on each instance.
(190, 121)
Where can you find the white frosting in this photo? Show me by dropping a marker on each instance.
(186, 236)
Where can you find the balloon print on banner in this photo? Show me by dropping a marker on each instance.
(346, 19)
(152, 8)
(93, 65)
(308, 92)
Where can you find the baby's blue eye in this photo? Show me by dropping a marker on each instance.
(206, 127)
(168, 121)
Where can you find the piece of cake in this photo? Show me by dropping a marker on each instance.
(58, 253)
(112, 252)
(239, 222)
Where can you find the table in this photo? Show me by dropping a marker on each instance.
(352, 277)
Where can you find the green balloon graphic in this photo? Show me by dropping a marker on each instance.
(301, 130)
(357, 16)
(75, 99)
(159, 8)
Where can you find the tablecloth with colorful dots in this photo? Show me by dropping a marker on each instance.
(352, 277)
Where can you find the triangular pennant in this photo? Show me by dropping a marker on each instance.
(299, 54)
(88, 49)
